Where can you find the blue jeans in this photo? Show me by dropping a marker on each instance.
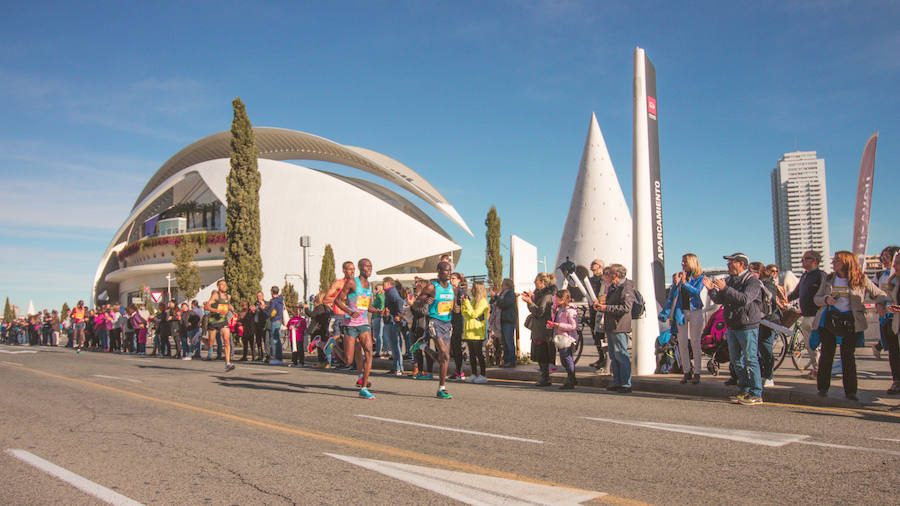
(764, 344)
(392, 338)
(620, 359)
(103, 337)
(508, 331)
(377, 332)
(275, 340)
(742, 346)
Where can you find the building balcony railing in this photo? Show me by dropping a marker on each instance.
(159, 249)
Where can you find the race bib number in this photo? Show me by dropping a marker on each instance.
(362, 302)
(444, 307)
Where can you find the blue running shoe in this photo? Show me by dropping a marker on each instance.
(329, 346)
(365, 394)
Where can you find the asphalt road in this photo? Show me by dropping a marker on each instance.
(163, 431)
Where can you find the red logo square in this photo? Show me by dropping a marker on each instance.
(651, 105)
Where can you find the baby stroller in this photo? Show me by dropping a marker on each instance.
(666, 353)
(713, 342)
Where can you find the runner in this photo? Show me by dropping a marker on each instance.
(438, 296)
(338, 319)
(219, 305)
(78, 324)
(355, 299)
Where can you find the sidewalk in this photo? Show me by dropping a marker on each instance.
(874, 378)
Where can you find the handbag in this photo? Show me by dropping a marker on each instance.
(838, 323)
(562, 341)
(529, 322)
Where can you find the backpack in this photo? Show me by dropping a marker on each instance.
(766, 300)
(638, 309)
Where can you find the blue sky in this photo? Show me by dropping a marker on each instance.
(488, 100)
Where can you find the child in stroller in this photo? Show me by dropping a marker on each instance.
(713, 342)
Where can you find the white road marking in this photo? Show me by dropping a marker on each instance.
(18, 352)
(845, 447)
(451, 429)
(276, 371)
(10, 363)
(474, 488)
(117, 378)
(83, 484)
(885, 439)
(744, 436)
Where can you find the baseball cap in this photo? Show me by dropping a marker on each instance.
(739, 257)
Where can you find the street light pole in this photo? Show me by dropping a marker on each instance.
(168, 286)
(304, 243)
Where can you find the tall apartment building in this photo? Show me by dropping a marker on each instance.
(799, 209)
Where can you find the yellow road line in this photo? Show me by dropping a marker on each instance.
(331, 438)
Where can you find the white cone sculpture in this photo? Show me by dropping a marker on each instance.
(31, 310)
(599, 223)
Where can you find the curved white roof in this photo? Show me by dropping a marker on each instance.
(284, 144)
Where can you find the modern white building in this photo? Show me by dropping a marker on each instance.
(799, 208)
(598, 225)
(357, 217)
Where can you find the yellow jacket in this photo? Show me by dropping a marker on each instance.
(475, 319)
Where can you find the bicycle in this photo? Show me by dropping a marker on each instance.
(784, 345)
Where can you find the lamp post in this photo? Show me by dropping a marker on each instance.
(304, 243)
(168, 286)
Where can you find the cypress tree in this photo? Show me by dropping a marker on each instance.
(291, 298)
(65, 309)
(187, 275)
(8, 313)
(243, 264)
(492, 257)
(326, 273)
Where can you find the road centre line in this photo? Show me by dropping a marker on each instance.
(743, 436)
(451, 429)
(409, 455)
(117, 378)
(85, 485)
(11, 363)
(846, 447)
(885, 439)
(17, 352)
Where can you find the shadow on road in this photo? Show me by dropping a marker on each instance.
(287, 386)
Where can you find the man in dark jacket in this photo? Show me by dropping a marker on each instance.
(393, 306)
(509, 318)
(617, 325)
(599, 287)
(805, 291)
(740, 299)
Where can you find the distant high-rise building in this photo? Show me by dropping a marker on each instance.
(799, 208)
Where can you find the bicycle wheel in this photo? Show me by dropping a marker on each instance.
(779, 349)
(583, 328)
(796, 348)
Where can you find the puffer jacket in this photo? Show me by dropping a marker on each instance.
(476, 317)
(541, 309)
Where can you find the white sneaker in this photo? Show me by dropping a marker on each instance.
(185, 358)
(768, 383)
(481, 380)
(472, 379)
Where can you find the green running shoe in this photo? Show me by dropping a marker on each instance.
(365, 394)
(442, 394)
